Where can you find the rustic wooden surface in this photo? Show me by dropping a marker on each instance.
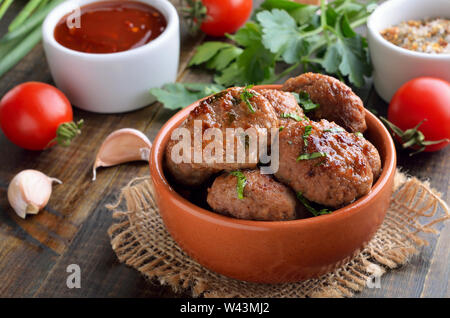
(72, 229)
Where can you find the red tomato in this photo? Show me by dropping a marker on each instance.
(225, 16)
(31, 112)
(423, 98)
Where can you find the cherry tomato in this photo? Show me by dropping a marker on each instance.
(424, 99)
(31, 113)
(225, 16)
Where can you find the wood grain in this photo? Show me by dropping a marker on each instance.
(34, 253)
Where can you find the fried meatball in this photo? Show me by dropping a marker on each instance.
(189, 174)
(337, 101)
(264, 198)
(233, 108)
(284, 104)
(372, 155)
(324, 162)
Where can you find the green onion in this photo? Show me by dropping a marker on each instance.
(246, 95)
(22, 49)
(308, 130)
(309, 207)
(241, 182)
(5, 7)
(30, 24)
(24, 14)
(292, 116)
(309, 156)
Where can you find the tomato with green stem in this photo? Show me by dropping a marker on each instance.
(217, 17)
(419, 114)
(36, 116)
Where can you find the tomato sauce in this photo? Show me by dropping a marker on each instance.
(111, 26)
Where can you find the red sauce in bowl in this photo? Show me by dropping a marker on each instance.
(111, 26)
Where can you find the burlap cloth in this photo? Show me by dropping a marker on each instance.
(140, 240)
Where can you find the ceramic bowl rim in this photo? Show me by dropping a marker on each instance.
(157, 174)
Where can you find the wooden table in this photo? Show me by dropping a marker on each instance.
(72, 229)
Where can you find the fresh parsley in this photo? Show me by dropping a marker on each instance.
(292, 116)
(179, 95)
(246, 95)
(306, 102)
(306, 134)
(316, 38)
(359, 134)
(309, 206)
(241, 182)
(296, 34)
(309, 156)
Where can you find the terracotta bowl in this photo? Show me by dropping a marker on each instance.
(273, 252)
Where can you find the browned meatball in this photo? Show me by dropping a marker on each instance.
(189, 174)
(264, 198)
(327, 167)
(372, 155)
(337, 101)
(233, 108)
(285, 106)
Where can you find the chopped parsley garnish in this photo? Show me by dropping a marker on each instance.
(246, 95)
(334, 130)
(306, 102)
(292, 116)
(358, 134)
(241, 182)
(314, 155)
(281, 128)
(309, 207)
(308, 130)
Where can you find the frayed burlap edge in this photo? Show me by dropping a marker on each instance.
(140, 240)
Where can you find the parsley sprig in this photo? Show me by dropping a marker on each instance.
(292, 116)
(246, 95)
(295, 34)
(241, 182)
(305, 101)
(309, 206)
(306, 134)
(283, 32)
(309, 156)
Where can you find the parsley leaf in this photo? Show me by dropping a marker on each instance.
(281, 35)
(309, 156)
(207, 51)
(292, 116)
(246, 95)
(308, 130)
(309, 207)
(241, 182)
(304, 101)
(179, 95)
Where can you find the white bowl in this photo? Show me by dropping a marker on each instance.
(114, 82)
(393, 65)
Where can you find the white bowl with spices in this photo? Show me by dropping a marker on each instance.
(116, 79)
(394, 65)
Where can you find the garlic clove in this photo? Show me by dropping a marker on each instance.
(123, 145)
(29, 191)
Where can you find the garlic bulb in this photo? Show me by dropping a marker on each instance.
(123, 145)
(29, 191)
